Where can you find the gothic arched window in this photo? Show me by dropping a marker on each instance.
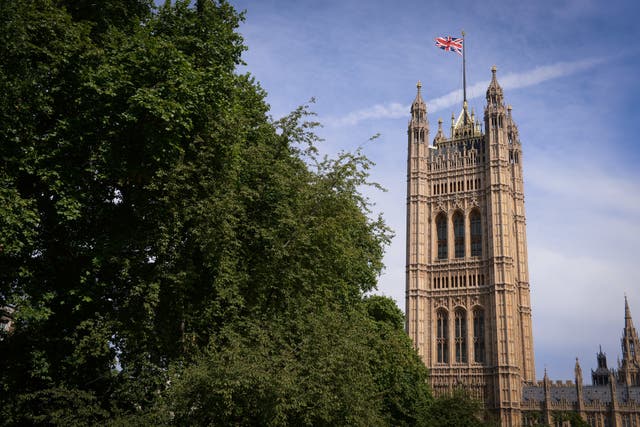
(461, 336)
(476, 233)
(442, 336)
(441, 228)
(478, 335)
(458, 231)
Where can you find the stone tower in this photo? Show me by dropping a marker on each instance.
(629, 369)
(468, 306)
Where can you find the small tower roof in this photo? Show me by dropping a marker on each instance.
(419, 111)
(463, 118)
(440, 134)
(418, 99)
(494, 89)
(465, 124)
(628, 321)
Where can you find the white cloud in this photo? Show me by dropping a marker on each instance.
(588, 185)
(533, 77)
(547, 72)
(393, 110)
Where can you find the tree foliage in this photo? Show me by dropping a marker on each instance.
(457, 409)
(574, 419)
(173, 254)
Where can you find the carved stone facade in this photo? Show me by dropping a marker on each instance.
(468, 309)
(467, 280)
(613, 399)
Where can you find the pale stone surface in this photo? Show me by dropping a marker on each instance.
(462, 269)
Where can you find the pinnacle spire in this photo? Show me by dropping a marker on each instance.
(464, 125)
(578, 372)
(630, 341)
(419, 99)
(440, 134)
(494, 91)
(418, 107)
(546, 381)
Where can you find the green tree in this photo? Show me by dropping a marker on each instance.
(288, 373)
(573, 417)
(148, 202)
(122, 178)
(457, 409)
(399, 373)
(174, 255)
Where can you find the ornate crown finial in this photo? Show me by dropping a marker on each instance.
(419, 85)
(494, 69)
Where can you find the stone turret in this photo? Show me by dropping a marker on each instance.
(601, 375)
(417, 250)
(546, 385)
(419, 108)
(629, 369)
(579, 389)
(495, 95)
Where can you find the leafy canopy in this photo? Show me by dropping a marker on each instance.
(173, 254)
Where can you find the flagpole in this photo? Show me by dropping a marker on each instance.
(464, 69)
(464, 78)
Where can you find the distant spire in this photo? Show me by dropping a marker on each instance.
(578, 372)
(546, 382)
(630, 341)
(440, 134)
(453, 123)
(628, 322)
(602, 358)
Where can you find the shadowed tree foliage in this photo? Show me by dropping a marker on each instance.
(456, 409)
(173, 254)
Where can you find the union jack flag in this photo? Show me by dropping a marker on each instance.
(450, 44)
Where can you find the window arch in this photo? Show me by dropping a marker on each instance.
(476, 233)
(478, 335)
(441, 229)
(442, 336)
(461, 335)
(458, 232)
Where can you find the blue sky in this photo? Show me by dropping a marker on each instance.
(570, 70)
